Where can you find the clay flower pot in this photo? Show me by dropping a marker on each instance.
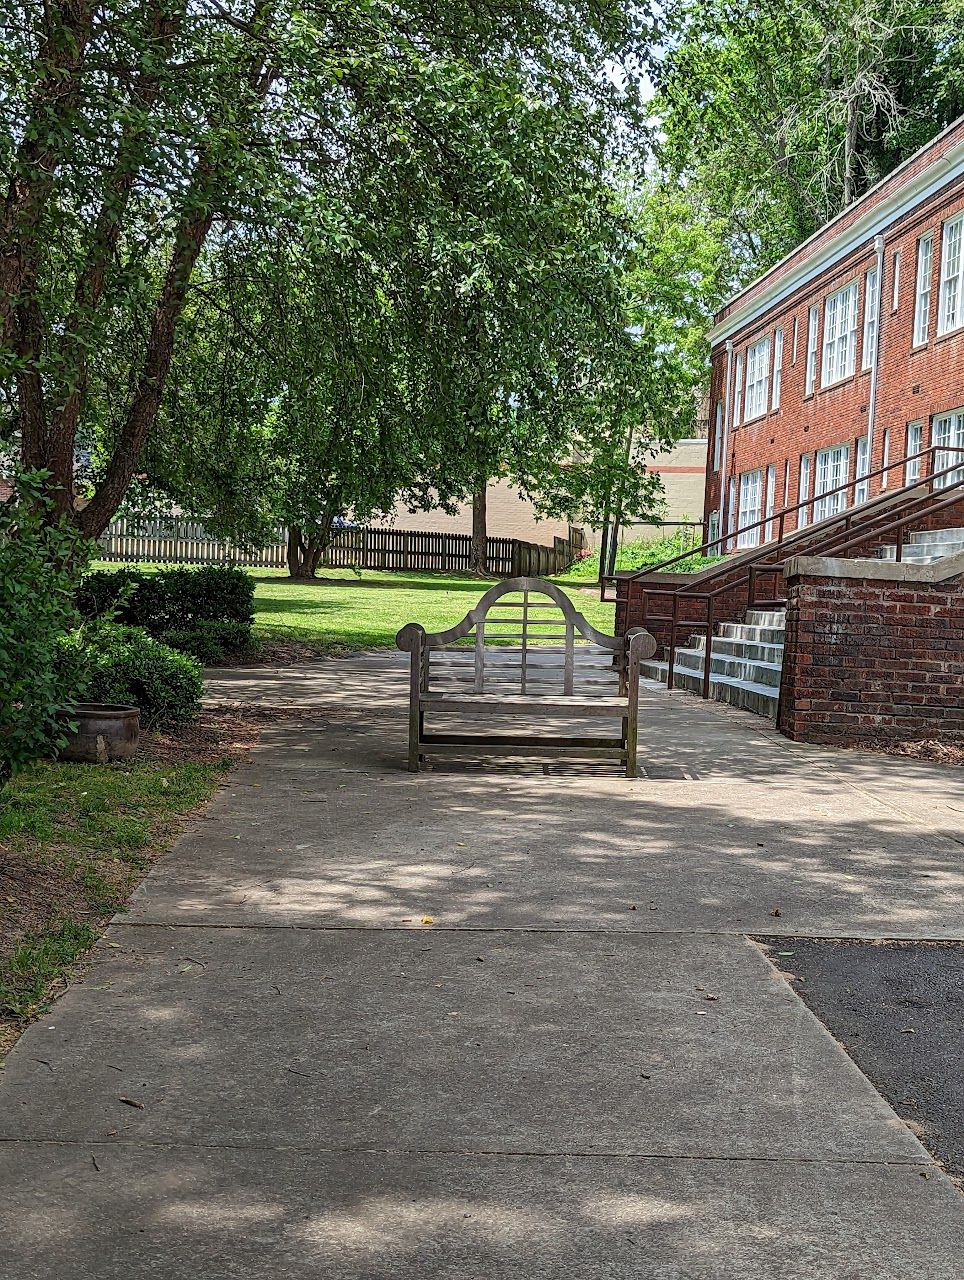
(105, 731)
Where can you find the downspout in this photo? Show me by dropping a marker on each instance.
(726, 440)
(872, 404)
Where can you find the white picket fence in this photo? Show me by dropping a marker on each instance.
(183, 542)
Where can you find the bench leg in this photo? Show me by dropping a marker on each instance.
(415, 712)
(632, 719)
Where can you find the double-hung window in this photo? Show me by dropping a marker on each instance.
(771, 501)
(831, 470)
(950, 312)
(803, 491)
(777, 369)
(718, 436)
(738, 393)
(922, 293)
(751, 504)
(915, 443)
(839, 335)
(757, 378)
(813, 321)
(730, 512)
(862, 487)
(948, 440)
(871, 311)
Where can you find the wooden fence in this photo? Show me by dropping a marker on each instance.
(188, 542)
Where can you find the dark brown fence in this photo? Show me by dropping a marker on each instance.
(187, 542)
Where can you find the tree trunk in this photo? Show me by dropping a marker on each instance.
(47, 439)
(306, 549)
(479, 554)
(850, 153)
(304, 554)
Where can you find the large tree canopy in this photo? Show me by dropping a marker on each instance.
(777, 115)
(268, 242)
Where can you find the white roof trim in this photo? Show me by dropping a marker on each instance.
(873, 221)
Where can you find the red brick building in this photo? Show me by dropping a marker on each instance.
(845, 357)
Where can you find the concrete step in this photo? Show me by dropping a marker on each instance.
(922, 552)
(745, 694)
(762, 673)
(773, 618)
(748, 650)
(747, 632)
(938, 535)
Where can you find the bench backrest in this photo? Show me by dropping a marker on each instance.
(525, 636)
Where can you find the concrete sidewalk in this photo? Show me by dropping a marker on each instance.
(489, 1021)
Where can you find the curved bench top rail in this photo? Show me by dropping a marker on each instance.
(409, 635)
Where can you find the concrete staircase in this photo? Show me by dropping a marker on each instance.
(746, 658)
(926, 547)
(745, 663)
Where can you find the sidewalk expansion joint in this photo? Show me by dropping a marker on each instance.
(923, 1162)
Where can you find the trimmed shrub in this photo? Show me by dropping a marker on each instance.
(40, 562)
(125, 664)
(178, 606)
(208, 640)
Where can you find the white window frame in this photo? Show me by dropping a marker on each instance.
(771, 501)
(713, 528)
(738, 392)
(751, 507)
(803, 489)
(793, 359)
(947, 437)
(730, 513)
(776, 387)
(922, 294)
(915, 444)
(950, 311)
(757, 379)
(831, 468)
(813, 324)
(839, 335)
(871, 313)
(861, 470)
(718, 437)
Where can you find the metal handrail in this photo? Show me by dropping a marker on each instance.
(844, 538)
(779, 517)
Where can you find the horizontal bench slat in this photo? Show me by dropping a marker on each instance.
(519, 704)
(594, 748)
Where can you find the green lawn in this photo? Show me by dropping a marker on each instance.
(335, 615)
(74, 841)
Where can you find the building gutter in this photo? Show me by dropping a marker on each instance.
(872, 401)
(721, 532)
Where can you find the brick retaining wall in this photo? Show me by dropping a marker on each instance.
(872, 659)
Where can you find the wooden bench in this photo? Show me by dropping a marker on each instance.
(525, 651)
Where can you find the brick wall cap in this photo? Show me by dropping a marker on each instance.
(877, 570)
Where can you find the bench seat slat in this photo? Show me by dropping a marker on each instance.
(527, 704)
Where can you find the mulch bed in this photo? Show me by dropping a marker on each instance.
(940, 752)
